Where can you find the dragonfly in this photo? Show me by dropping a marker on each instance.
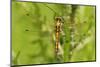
(59, 21)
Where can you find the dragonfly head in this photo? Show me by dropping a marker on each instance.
(59, 19)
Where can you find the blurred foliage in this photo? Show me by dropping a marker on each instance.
(33, 32)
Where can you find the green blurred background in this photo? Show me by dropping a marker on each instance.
(33, 26)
